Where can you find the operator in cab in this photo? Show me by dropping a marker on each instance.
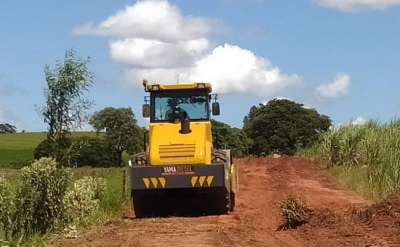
(175, 112)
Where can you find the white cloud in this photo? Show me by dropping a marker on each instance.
(85, 127)
(164, 44)
(236, 70)
(339, 87)
(359, 121)
(150, 19)
(155, 53)
(355, 5)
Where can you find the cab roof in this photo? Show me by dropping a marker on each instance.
(161, 86)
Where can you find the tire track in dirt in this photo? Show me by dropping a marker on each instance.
(264, 182)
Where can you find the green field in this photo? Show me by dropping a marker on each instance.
(17, 149)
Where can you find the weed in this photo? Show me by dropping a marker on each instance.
(294, 212)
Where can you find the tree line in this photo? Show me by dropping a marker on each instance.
(6, 128)
(280, 126)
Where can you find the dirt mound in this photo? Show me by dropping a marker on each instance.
(382, 218)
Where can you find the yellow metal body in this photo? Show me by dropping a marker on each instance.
(194, 85)
(181, 163)
(168, 147)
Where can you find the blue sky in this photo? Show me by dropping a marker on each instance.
(341, 57)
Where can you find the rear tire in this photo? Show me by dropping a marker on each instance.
(139, 207)
(145, 206)
(216, 203)
(232, 202)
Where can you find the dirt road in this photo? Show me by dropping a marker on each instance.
(263, 184)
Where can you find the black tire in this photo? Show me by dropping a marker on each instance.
(144, 206)
(138, 207)
(217, 203)
(232, 202)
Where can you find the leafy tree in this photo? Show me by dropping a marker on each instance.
(65, 108)
(90, 151)
(225, 136)
(283, 126)
(122, 131)
(7, 128)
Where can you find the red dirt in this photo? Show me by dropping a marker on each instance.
(339, 217)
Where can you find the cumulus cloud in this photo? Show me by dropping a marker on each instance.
(339, 87)
(356, 5)
(150, 19)
(358, 121)
(140, 52)
(168, 45)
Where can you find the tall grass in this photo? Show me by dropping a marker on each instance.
(371, 147)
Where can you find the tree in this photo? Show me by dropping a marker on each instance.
(65, 108)
(225, 136)
(283, 126)
(7, 128)
(90, 151)
(122, 131)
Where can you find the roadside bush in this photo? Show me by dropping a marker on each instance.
(84, 198)
(6, 207)
(40, 197)
(44, 204)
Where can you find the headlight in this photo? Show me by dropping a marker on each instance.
(155, 87)
(201, 85)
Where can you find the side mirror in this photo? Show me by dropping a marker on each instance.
(215, 108)
(146, 110)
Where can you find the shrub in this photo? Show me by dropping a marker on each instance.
(84, 198)
(47, 148)
(6, 207)
(40, 197)
(44, 149)
(44, 202)
(294, 212)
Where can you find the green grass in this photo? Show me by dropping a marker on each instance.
(114, 176)
(16, 150)
(21, 140)
(355, 178)
(111, 204)
(364, 158)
